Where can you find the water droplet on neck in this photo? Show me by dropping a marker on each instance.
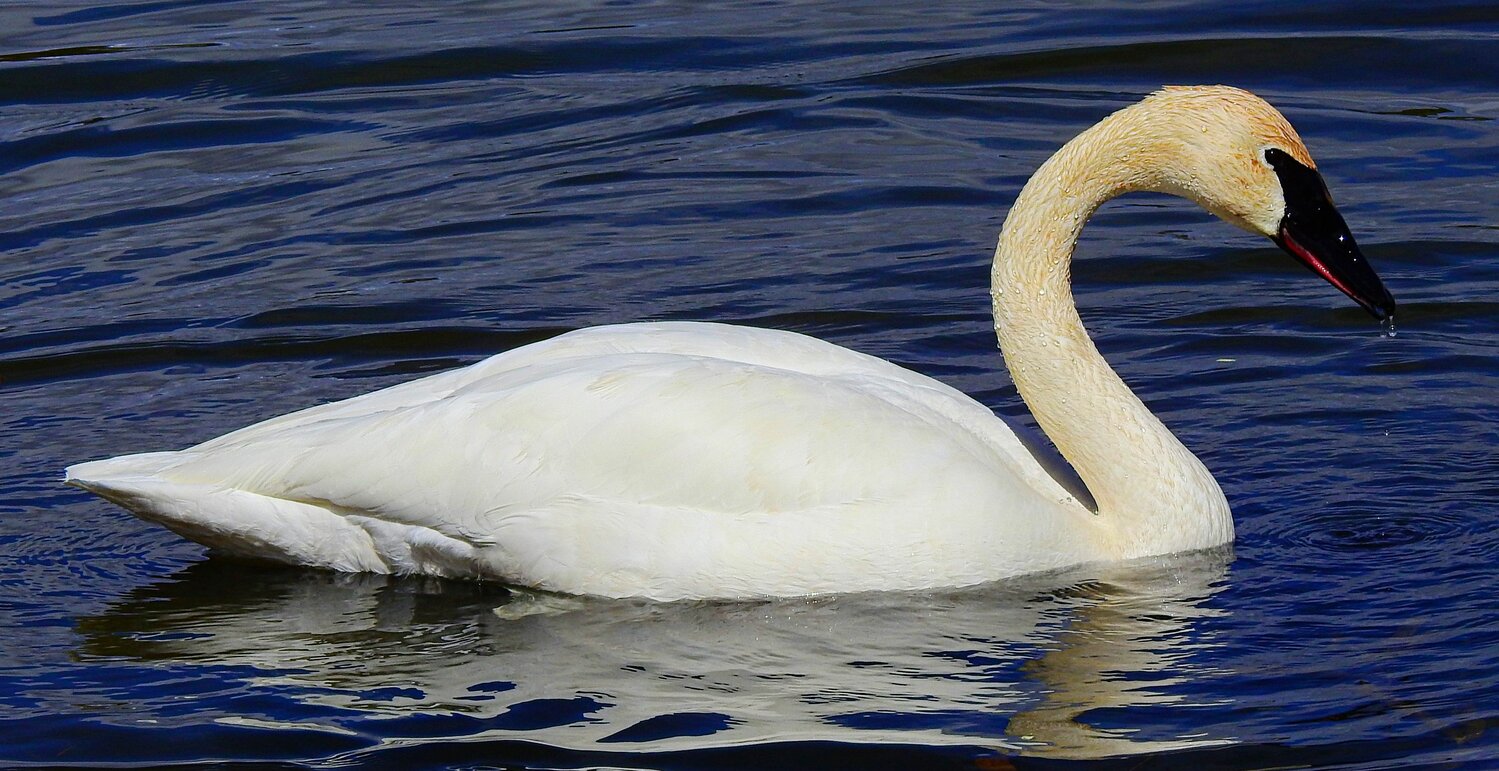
(1388, 325)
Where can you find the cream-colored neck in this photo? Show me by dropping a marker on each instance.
(1153, 495)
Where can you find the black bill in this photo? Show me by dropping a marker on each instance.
(1315, 234)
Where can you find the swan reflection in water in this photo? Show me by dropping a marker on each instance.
(1018, 666)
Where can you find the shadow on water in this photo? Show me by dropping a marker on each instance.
(1016, 668)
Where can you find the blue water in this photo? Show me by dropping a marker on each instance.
(215, 212)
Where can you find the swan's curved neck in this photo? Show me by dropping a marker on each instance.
(1153, 495)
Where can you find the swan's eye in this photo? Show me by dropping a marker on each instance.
(1303, 186)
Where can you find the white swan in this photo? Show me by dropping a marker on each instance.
(681, 460)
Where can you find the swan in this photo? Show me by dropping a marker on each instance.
(700, 460)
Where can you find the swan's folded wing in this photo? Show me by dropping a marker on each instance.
(576, 450)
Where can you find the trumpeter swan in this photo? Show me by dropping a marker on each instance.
(673, 460)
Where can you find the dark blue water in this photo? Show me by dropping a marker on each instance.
(216, 212)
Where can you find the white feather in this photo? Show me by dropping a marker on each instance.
(700, 460)
(664, 460)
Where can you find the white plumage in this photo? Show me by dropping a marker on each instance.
(701, 460)
(664, 460)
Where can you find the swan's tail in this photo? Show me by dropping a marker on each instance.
(230, 520)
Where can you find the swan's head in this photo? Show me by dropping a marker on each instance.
(1240, 158)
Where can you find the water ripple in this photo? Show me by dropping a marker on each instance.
(219, 212)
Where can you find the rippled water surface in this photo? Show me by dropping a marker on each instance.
(216, 212)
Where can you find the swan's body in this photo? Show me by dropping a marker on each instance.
(659, 459)
(702, 460)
